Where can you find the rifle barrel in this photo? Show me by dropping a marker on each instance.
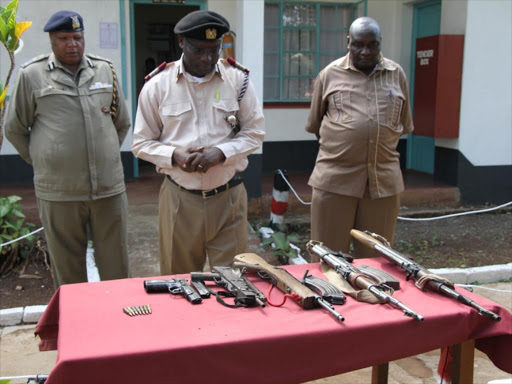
(464, 300)
(397, 303)
(330, 308)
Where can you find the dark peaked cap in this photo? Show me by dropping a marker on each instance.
(65, 21)
(202, 25)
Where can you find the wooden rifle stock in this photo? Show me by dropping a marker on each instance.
(422, 276)
(281, 278)
(285, 282)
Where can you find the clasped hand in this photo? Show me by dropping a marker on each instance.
(197, 159)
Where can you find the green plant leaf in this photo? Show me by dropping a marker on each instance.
(267, 241)
(293, 237)
(8, 224)
(4, 210)
(13, 199)
(291, 253)
(279, 252)
(4, 31)
(280, 241)
(18, 213)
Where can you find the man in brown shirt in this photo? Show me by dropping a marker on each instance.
(359, 110)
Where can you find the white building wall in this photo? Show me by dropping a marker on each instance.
(486, 115)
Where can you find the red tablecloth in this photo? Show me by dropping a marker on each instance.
(185, 343)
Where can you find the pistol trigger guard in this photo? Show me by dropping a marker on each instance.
(175, 290)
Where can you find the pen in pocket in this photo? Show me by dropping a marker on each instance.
(390, 94)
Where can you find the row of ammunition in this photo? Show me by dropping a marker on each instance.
(137, 310)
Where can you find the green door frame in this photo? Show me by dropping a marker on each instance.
(124, 61)
(419, 143)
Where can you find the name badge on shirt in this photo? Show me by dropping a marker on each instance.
(55, 87)
(99, 85)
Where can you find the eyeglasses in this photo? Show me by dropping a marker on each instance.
(204, 51)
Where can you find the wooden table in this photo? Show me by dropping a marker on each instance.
(98, 343)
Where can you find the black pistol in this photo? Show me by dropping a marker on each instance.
(176, 286)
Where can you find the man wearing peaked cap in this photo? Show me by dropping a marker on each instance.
(65, 21)
(67, 118)
(197, 121)
(202, 25)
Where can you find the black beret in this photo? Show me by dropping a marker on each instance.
(65, 21)
(202, 25)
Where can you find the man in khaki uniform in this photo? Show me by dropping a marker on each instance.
(186, 125)
(359, 110)
(68, 119)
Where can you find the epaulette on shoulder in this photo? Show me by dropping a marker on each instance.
(157, 70)
(35, 60)
(237, 65)
(96, 57)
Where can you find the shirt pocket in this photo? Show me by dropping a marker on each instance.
(176, 112)
(51, 91)
(395, 107)
(222, 109)
(340, 106)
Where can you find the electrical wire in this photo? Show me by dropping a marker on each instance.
(22, 237)
(410, 218)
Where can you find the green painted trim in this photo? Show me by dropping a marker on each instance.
(413, 142)
(124, 70)
(280, 94)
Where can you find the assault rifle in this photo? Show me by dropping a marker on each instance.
(176, 286)
(234, 282)
(356, 277)
(422, 277)
(285, 282)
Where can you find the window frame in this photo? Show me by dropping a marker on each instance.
(318, 28)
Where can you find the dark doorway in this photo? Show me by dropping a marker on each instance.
(154, 43)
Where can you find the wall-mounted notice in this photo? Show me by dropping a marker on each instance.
(108, 36)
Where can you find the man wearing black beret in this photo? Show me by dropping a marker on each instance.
(197, 121)
(67, 118)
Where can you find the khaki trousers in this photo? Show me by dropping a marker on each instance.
(65, 227)
(192, 228)
(333, 216)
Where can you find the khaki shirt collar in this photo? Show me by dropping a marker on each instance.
(53, 62)
(382, 64)
(180, 71)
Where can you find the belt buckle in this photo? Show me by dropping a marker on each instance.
(205, 193)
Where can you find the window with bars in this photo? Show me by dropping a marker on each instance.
(301, 39)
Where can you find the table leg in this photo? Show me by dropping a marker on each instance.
(463, 362)
(380, 374)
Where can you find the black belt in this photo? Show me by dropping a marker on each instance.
(212, 192)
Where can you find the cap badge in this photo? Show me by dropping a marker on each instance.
(75, 22)
(211, 34)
